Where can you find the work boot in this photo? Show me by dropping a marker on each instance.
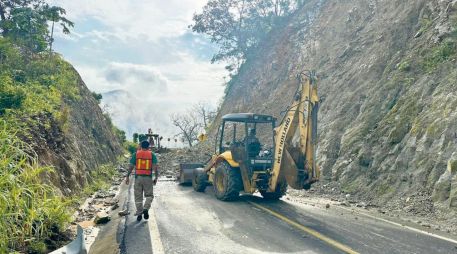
(139, 217)
(146, 214)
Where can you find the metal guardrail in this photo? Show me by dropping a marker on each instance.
(78, 246)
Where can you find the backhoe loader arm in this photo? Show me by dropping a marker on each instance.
(296, 139)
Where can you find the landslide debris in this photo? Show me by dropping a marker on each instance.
(387, 78)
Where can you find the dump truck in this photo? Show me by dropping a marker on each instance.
(252, 153)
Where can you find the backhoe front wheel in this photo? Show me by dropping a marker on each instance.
(280, 191)
(227, 182)
(199, 180)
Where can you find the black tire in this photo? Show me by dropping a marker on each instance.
(227, 182)
(280, 191)
(199, 180)
(180, 178)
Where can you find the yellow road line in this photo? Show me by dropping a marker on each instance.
(310, 231)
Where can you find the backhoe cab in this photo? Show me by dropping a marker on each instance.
(252, 154)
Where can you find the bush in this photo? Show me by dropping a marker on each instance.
(438, 55)
(131, 147)
(11, 97)
(100, 179)
(97, 96)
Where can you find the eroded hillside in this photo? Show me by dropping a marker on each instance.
(44, 102)
(387, 78)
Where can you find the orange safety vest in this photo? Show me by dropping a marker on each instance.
(143, 163)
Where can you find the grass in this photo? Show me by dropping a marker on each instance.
(30, 210)
(33, 92)
(100, 179)
(439, 54)
(32, 87)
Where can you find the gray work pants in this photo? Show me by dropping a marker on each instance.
(143, 185)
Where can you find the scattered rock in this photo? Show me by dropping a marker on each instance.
(345, 203)
(111, 201)
(102, 218)
(361, 204)
(86, 224)
(327, 206)
(104, 194)
(124, 213)
(114, 207)
(426, 225)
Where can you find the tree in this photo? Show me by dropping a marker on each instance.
(135, 138)
(188, 125)
(206, 113)
(237, 26)
(97, 96)
(26, 22)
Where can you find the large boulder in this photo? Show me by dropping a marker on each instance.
(452, 169)
(446, 187)
(442, 188)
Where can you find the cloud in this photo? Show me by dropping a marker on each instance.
(139, 97)
(137, 113)
(141, 55)
(152, 18)
(140, 76)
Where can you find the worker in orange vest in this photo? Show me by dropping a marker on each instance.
(145, 163)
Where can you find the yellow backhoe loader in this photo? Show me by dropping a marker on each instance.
(268, 162)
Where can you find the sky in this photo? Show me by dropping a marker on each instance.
(143, 58)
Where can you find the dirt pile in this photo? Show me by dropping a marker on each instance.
(169, 161)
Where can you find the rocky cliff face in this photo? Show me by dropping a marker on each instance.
(83, 143)
(387, 78)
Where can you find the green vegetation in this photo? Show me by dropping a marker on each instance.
(405, 66)
(425, 24)
(238, 26)
(32, 88)
(30, 210)
(135, 138)
(131, 147)
(439, 54)
(33, 83)
(98, 97)
(26, 23)
(100, 179)
(36, 87)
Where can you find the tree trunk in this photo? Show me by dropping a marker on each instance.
(3, 19)
(189, 140)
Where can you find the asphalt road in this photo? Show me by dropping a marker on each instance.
(185, 221)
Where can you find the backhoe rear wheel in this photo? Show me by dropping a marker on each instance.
(227, 182)
(280, 191)
(199, 180)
